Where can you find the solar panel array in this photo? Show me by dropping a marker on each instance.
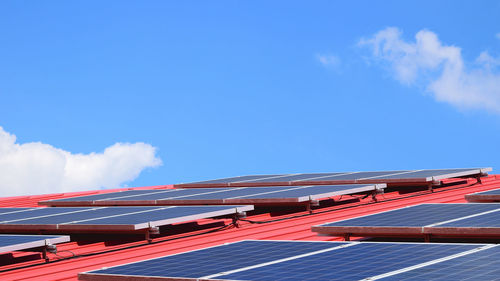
(460, 219)
(106, 218)
(485, 196)
(216, 196)
(401, 177)
(287, 260)
(11, 242)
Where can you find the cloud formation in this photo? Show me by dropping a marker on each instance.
(38, 168)
(328, 60)
(441, 67)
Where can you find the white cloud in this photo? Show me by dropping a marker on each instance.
(328, 60)
(441, 67)
(38, 168)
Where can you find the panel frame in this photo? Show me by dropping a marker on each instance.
(435, 180)
(301, 200)
(479, 197)
(425, 231)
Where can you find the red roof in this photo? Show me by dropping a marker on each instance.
(204, 233)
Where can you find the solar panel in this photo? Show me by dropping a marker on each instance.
(402, 177)
(68, 219)
(462, 220)
(481, 265)
(11, 242)
(216, 196)
(485, 196)
(287, 260)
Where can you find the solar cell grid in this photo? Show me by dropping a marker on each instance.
(481, 265)
(108, 218)
(287, 260)
(396, 177)
(219, 196)
(217, 259)
(11, 242)
(112, 194)
(419, 215)
(462, 220)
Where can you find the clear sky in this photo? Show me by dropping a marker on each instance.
(133, 93)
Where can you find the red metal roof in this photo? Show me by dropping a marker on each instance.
(200, 234)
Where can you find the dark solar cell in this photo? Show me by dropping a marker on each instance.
(10, 239)
(11, 210)
(218, 259)
(354, 176)
(23, 213)
(107, 195)
(83, 214)
(161, 213)
(427, 173)
(11, 242)
(286, 178)
(287, 260)
(347, 176)
(485, 220)
(173, 193)
(293, 193)
(420, 215)
(236, 179)
(129, 216)
(351, 263)
(482, 265)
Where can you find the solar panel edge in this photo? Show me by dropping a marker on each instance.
(43, 241)
(363, 188)
(197, 216)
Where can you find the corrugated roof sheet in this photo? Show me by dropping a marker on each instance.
(204, 233)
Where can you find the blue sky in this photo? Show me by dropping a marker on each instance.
(215, 89)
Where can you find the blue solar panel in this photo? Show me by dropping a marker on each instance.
(356, 175)
(11, 242)
(402, 176)
(218, 259)
(103, 196)
(482, 265)
(351, 263)
(287, 260)
(484, 220)
(129, 217)
(292, 193)
(415, 216)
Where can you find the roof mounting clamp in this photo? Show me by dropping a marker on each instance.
(314, 203)
(154, 230)
(241, 215)
(51, 248)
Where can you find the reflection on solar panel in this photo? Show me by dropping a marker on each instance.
(61, 220)
(297, 260)
(403, 177)
(485, 196)
(10, 242)
(443, 220)
(216, 196)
